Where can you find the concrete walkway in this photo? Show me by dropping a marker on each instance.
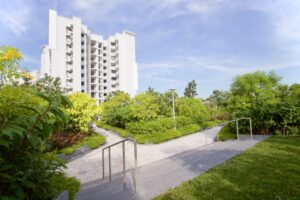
(89, 167)
(156, 177)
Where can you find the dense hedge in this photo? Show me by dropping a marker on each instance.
(157, 126)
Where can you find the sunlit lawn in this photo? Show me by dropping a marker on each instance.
(270, 170)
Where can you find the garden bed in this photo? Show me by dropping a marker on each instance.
(154, 138)
(71, 145)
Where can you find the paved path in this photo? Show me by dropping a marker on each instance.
(89, 168)
(155, 178)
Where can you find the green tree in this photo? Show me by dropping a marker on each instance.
(191, 89)
(144, 107)
(115, 111)
(255, 95)
(9, 65)
(192, 108)
(49, 85)
(82, 112)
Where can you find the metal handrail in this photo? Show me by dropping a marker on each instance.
(124, 162)
(237, 126)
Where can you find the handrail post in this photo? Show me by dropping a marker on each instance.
(251, 129)
(103, 164)
(109, 164)
(237, 129)
(124, 167)
(135, 165)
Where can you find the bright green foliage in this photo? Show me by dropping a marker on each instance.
(154, 138)
(144, 107)
(269, 170)
(192, 108)
(270, 104)
(170, 134)
(82, 113)
(165, 102)
(9, 65)
(122, 132)
(93, 141)
(62, 183)
(226, 133)
(191, 89)
(27, 120)
(157, 126)
(115, 111)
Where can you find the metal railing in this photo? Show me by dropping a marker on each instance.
(124, 161)
(237, 126)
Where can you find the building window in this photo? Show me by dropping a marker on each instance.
(104, 61)
(82, 34)
(104, 74)
(105, 94)
(82, 58)
(104, 48)
(82, 66)
(82, 42)
(82, 91)
(82, 74)
(82, 82)
(82, 50)
(104, 87)
(104, 81)
(104, 54)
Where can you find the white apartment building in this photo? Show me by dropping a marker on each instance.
(85, 62)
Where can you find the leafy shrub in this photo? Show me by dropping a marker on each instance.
(120, 131)
(82, 112)
(25, 171)
(226, 133)
(192, 108)
(115, 110)
(210, 123)
(157, 126)
(167, 135)
(62, 183)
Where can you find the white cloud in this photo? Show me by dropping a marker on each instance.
(16, 16)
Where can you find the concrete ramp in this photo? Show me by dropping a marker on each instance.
(157, 176)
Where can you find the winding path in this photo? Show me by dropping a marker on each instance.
(160, 166)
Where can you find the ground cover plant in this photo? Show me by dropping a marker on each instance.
(269, 170)
(64, 144)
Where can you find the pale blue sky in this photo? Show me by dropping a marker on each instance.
(210, 41)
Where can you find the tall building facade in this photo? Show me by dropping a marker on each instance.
(85, 62)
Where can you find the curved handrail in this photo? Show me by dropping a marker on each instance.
(124, 163)
(237, 126)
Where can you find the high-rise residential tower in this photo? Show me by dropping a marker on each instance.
(85, 62)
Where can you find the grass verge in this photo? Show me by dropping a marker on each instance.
(154, 138)
(226, 134)
(269, 170)
(62, 183)
(93, 141)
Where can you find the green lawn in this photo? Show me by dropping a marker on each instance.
(269, 170)
(93, 141)
(153, 138)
